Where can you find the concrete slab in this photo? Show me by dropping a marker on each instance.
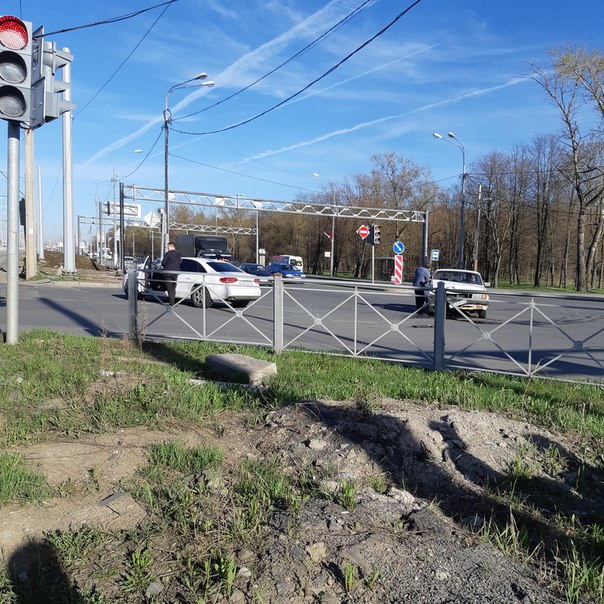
(242, 368)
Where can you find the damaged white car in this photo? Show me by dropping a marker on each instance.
(465, 290)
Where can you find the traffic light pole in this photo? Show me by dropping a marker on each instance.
(12, 260)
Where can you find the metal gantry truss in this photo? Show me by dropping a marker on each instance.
(240, 202)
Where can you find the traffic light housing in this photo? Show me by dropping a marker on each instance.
(375, 234)
(48, 100)
(15, 69)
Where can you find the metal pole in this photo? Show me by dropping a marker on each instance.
(333, 239)
(257, 239)
(166, 217)
(31, 262)
(425, 240)
(68, 239)
(113, 180)
(12, 235)
(122, 229)
(333, 236)
(40, 231)
(477, 231)
(440, 317)
(460, 262)
(373, 264)
(278, 315)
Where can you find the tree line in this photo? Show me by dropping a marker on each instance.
(534, 215)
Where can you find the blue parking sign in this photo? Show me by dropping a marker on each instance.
(435, 255)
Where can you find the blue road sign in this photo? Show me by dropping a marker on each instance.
(398, 247)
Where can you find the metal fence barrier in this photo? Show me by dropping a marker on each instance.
(527, 335)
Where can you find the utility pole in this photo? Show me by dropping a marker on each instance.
(477, 230)
(39, 221)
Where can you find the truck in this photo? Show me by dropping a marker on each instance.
(203, 246)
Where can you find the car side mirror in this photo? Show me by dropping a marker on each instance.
(487, 284)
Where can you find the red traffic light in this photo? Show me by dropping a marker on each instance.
(13, 33)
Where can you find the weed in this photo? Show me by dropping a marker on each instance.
(72, 546)
(581, 574)
(375, 575)
(350, 577)
(347, 495)
(18, 484)
(139, 574)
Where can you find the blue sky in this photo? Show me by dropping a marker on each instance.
(446, 65)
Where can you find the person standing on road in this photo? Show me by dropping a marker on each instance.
(420, 279)
(171, 262)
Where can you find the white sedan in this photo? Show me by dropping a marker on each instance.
(466, 291)
(202, 281)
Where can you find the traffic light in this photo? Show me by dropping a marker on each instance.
(15, 69)
(371, 235)
(55, 104)
(48, 92)
(377, 234)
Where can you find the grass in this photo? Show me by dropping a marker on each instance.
(201, 509)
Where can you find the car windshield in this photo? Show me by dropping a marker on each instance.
(458, 277)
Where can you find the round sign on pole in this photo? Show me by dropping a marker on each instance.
(398, 247)
(363, 231)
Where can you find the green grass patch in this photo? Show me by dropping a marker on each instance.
(18, 484)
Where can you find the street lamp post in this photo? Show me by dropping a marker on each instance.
(457, 143)
(165, 230)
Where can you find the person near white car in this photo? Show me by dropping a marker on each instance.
(171, 262)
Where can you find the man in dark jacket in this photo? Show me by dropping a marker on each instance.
(171, 262)
(420, 279)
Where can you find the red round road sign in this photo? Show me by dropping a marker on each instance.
(363, 231)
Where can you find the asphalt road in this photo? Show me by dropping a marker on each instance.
(561, 335)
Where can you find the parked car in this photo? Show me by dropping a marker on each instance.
(199, 279)
(466, 291)
(287, 271)
(259, 271)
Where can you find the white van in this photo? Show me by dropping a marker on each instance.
(295, 261)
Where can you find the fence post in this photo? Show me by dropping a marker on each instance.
(133, 303)
(440, 317)
(278, 314)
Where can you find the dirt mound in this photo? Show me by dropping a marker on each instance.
(426, 486)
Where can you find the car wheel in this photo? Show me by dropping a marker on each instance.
(240, 303)
(198, 296)
(482, 314)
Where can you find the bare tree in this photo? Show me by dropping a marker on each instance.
(575, 76)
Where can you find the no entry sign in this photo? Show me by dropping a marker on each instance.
(363, 231)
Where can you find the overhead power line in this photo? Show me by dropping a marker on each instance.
(299, 92)
(111, 20)
(316, 41)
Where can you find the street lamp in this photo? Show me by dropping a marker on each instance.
(165, 232)
(457, 143)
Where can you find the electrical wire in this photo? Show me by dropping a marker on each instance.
(111, 20)
(146, 156)
(116, 71)
(316, 41)
(312, 83)
(272, 182)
